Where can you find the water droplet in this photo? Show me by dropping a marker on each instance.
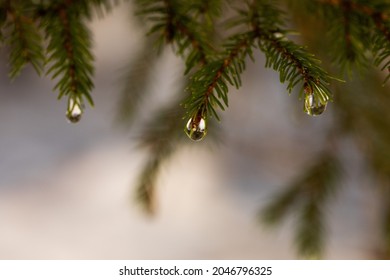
(196, 128)
(312, 106)
(74, 112)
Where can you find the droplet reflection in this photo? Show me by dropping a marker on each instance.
(196, 128)
(312, 106)
(74, 112)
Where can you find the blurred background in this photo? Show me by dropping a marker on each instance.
(67, 190)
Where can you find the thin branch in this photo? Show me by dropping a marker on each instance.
(227, 61)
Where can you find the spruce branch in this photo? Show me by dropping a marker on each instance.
(307, 197)
(373, 9)
(208, 10)
(352, 39)
(209, 85)
(357, 111)
(175, 23)
(282, 204)
(381, 47)
(366, 28)
(162, 136)
(293, 62)
(23, 37)
(369, 113)
(309, 237)
(146, 183)
(295, 66)
(357, 30)
(69, 50)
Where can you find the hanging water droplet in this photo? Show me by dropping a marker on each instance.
(74, 112)
(196, 128)
(312, 106)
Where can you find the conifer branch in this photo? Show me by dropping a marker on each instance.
(369, 9)
(357, 111)
(306, 197)
(381, 46)
(381, 22)
(358, 28)
(293, 62)
(209, 85)
(146, 184)
(295, 65)
(69, 51)
(24, 38)
(161, 136)
(209, 10)
(173, 23)
(349, 49)
(370, 16)
(189, 38)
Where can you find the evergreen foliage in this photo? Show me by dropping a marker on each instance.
(161, 143)
(209, 86)
(307, 196)
(357, 30)
(66, 48)
(22, 35)
(215, 39)
(178, 23)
